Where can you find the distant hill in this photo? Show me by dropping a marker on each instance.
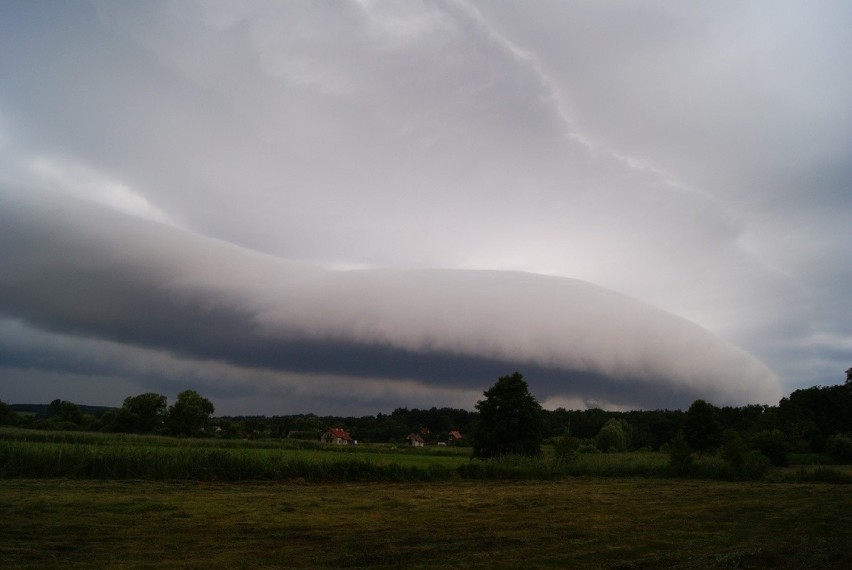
(40, 410)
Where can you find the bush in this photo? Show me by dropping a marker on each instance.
(772, 444)
(566, 449)
(680, 456)
(734, 451)
(755, 466)
(839, 446)
(7, 416)
(743, 464)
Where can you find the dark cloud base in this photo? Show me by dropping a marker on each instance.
(357, 360)
(81, 271)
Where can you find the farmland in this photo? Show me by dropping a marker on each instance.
(576, 522)
(76, 499)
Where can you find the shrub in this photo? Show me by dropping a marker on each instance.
(839, 446)
(7, 416)
(566, 449)
(680, 456)
(734, 451)
(772, 444)
(743, 464)
(588, 446)
(755, 465)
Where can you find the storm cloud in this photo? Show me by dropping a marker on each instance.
(77, 269)
(306, 206)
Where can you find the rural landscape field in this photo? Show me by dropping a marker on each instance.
(94, 500)
(578, 522)
(425, 284)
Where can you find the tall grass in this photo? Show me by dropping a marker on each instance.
(30, 454)
(76, 461)
(101, 460)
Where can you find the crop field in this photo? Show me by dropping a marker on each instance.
(81, 455)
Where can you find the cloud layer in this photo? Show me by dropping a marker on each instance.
(76, 269)
(481, 165)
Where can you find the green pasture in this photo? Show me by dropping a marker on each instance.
(88, 500)
(580, 522)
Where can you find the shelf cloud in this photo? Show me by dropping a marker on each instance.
(363, 204)
(72, 268)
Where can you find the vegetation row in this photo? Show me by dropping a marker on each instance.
(508, 436)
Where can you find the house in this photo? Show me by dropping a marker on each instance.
(455, 436)
(337, 436)
(415, 440)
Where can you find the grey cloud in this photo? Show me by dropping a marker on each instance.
(692, 156)
(78, 269)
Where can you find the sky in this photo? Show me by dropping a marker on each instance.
(349, 207)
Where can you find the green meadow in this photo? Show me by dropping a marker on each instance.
(90, 500)
(580, 522)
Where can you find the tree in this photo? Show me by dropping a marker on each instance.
(510, 420)
(189, 414)
(702, 427)
(680, 455)
(141, 414)
(65, 411)
(742, 462)
(7, 415)
(567, 448)
(614, 436)
(840, 447)
(810, 416)
(773, 444)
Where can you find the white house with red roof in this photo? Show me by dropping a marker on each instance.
(415, 440)
(337, 436)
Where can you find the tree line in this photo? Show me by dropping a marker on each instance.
(146, 413)
(508, 421)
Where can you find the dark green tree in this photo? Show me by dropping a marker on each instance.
(810, 416)
(567, 448)
(144, 413)
(773, 444)
(510, 420)
(702, 428)
(742, 462)
(189, 414)
(840, 447)
(680, 455)
(64, 411)
(7, 415)
(614, 436)
(734, 450)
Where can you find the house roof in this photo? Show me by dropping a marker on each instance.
(415, 437)
(455, 435)
(339, 432)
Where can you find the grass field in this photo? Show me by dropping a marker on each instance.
(85, 500)
(575, 523)
(81, 455)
